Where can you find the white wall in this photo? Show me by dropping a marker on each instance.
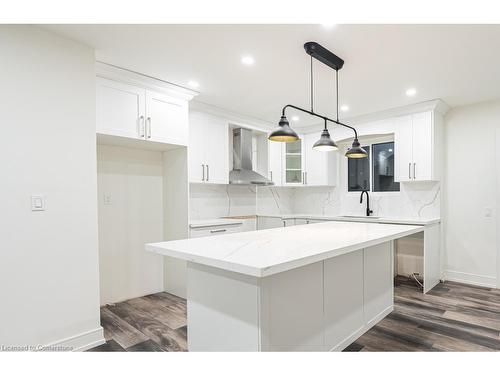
(130, 201)
(49, 283)
(469, 190)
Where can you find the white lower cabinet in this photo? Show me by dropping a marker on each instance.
(215, 231)
(175, 269)
(268, 222)
(301, 221)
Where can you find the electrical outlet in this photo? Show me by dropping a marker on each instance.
(107, 200)
(37, 203)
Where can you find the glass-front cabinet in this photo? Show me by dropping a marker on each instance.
(294, 163)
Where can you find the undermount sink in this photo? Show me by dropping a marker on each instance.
(360, 217)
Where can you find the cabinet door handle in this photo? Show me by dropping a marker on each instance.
(148, 127)
(141, 129)
(306, 177)
(271, 174)
(409, 171)
(414, 170)
(208, 173)
(217, 230)
(203, 172)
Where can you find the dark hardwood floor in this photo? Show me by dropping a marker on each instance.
(151, 323)
(451, 317)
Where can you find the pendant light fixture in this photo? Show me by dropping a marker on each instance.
(284, 132)
(325, 143)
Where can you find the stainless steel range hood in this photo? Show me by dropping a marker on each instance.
(242, 173)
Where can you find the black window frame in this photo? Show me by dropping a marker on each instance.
(371, 167)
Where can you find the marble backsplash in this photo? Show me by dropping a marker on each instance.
(418, 200)
(207, 201)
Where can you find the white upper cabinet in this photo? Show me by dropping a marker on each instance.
(303, 166)
(134, 106)
(275, 152)
(423, 146)
(293, 163)
(208, 149)
(166, 119)
(418, 146)
(320, 166)
(120, 109)
(403, 143)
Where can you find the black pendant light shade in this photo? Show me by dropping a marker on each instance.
(283, 133)
(325, 143)
(356, 151)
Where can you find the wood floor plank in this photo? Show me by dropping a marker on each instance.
(146, 346)
(173, 315)
(167, 338)
(109, 346)
(451, 317)
(474, 319)
(436, 340)
(119, 330)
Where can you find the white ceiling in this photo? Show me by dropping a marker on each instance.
(457, 63)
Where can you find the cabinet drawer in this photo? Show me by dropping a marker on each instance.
(215, 230)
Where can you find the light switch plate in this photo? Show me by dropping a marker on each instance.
(488, 212)
(37, 203)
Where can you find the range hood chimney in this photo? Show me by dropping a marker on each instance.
(242, 173)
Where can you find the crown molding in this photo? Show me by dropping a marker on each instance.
(117, 73)
(233, 118)
(436, 105)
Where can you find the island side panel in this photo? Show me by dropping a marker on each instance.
(343, 293)
(432, 256)
(291, 308)
(378, 279)
(222, 310)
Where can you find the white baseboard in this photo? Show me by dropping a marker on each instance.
(470, 278)
(79, 343)
(360, 332)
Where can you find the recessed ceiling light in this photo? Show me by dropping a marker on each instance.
(248, 60)
(344, 108)
(193, 84)
(328, 25)
(295, 118)
(411, 92)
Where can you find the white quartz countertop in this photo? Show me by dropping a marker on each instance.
(213, 222)
(380, 220)
(267, 252)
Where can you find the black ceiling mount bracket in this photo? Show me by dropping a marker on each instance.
(321, 54)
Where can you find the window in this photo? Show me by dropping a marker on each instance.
(359, 172)
(380, 162)
(383, 167)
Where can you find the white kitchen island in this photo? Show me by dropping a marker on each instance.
(315, 287)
